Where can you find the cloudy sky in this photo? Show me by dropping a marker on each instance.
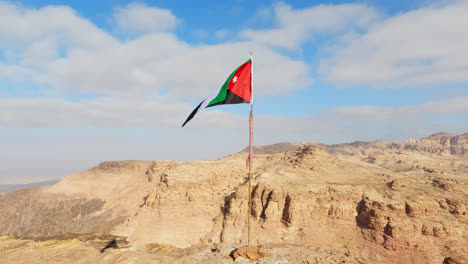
(88, 81)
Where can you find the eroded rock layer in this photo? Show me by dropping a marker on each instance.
(377, 202)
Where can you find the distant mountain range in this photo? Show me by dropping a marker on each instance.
(438, 143)
(4, 188)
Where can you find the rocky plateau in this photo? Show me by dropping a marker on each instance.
(363, 202)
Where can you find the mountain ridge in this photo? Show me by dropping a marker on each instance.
(384, 202)
(457, 144)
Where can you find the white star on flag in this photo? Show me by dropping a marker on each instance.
(234, 80)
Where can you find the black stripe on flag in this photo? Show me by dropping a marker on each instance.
(231, 98)
(192, 114)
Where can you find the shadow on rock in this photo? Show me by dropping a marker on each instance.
(111, 244)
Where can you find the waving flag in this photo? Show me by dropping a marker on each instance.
(237, 89)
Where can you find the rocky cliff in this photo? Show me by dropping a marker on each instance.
(376, 202)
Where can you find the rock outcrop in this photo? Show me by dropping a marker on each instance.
(274, 148)
(378, 202)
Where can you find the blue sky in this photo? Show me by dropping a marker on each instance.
(87, 81)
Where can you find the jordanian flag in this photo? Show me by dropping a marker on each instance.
(236, 90)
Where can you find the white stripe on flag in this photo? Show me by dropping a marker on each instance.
(208, 100)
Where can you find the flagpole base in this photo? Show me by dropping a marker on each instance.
(248, 252)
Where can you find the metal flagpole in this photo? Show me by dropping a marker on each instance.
(250, 148)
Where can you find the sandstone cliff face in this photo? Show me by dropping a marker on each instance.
(412, 219)
(378, 202)
(88, 202)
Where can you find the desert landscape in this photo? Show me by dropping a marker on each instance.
(218, 132)
(363, 202)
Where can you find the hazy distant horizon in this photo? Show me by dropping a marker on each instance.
(115, 80)
(59, 172)
(4, 188)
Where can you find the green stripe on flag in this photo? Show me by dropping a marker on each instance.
(223, 91)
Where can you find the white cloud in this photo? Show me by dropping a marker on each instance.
(148, 130)
(140, 18)
(159, 62)
(423, 47)
(453, 106)
(399, 123)
(200, 33)
(76, 56)
(447, 107)
(295, 26)
(53, 49)
(14, 73)
(222, 33)
(361, 113)
(162, 114)
(31, 38)
(101, 113)
(203, 69)
(51, 26)
(265, 13)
